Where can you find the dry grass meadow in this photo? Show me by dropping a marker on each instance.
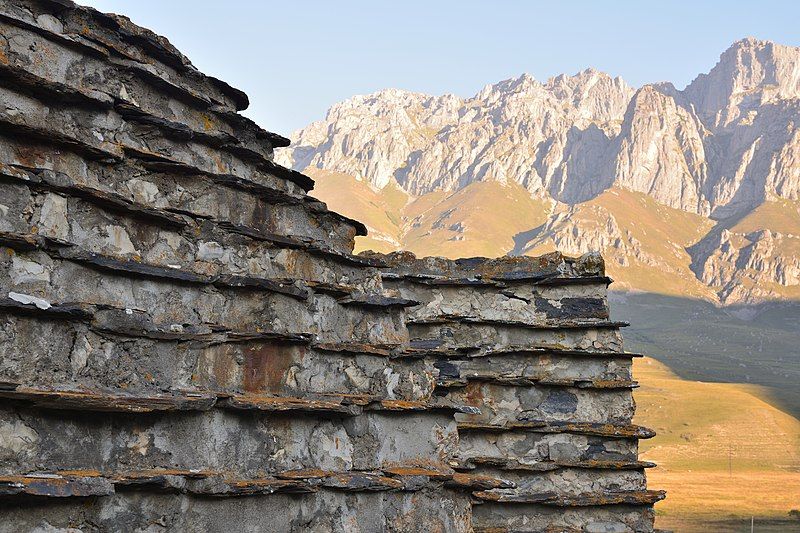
(725, 455)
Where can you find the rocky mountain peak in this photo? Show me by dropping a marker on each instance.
(709, 155)
(750, 73)
(706, 149)
(371, 136)
(660, 152)
(504, 133)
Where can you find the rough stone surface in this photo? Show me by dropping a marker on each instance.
(188, 342)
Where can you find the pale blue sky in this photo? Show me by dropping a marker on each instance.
(295, 58)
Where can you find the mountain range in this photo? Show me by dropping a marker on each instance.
(693, 198)
(691, 193)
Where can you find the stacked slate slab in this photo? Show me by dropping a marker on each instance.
(187, 341)
(529, 341)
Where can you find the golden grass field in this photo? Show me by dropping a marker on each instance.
(478, 220)
(724, 454)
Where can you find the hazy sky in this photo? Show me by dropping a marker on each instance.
(295, 58)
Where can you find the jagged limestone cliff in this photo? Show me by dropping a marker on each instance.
(721, 148)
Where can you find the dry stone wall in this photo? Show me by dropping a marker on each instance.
(188, 342)
(529, 341)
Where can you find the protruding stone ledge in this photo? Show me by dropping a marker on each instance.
(472, 463)
(376, 300)
(354, 348)
(25, 304)
(503, 269)
(256, 402)
(432, 280)
(435, 404)
(80, 400)
(432, 347)
(478, 482)
(436, 347)
(201, 400)
(519, 306)
(65, 484)
(548, 325)
(499, 283)
(559, 281)
(310, 245)
(645, 497)
(345, 404)
(530, 371)
(598, 384)
(533, 351)
(322, 208)
(623, 431)
(55, 486)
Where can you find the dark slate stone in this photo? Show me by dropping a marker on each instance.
(573, 308)
(560, 401)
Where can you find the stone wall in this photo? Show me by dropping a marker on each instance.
(529, 342)
(189, 343)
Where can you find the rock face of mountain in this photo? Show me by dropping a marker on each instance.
(750, 74)
(371, 137)
(721, 148)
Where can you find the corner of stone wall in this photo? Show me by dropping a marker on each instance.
(188, 340)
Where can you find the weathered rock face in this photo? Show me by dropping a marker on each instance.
(738, 262)
(189, 342)
(372, 136)
(660, 152)
(541, 135)
(703, 149)
(749, 74)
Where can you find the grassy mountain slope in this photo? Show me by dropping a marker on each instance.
(644, 242)
(777, 214)
(478, 220)
(378, 210)
(724, 455)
